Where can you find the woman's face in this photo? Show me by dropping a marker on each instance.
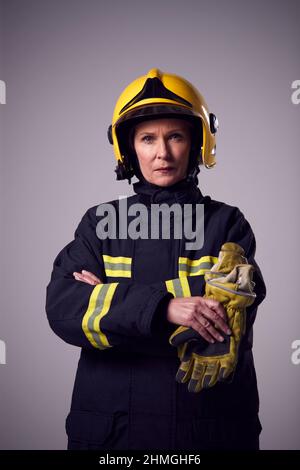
(163, 147)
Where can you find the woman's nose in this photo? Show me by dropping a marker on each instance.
(162, 149)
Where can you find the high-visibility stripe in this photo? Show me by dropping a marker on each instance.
(113, 273)
(99, 304)
(197, 267)
(179, 287)
(194, 270)
(185, 287)
(117, 259)
(117, 266)
(196, 262)
(170, 287)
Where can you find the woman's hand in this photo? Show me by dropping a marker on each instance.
(201, 314)
(87, 277)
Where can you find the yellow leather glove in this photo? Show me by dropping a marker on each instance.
(230, 282)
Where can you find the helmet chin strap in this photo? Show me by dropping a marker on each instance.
(192, 175)
(193, 168)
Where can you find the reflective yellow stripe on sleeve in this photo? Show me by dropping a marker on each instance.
(179, 287)
(99, 304)
(195, 267)
(117, 266)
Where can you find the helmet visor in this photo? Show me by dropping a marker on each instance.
(145, 113)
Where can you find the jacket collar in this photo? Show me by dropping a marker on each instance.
(182, 192)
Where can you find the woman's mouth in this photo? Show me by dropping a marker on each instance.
(165, 170)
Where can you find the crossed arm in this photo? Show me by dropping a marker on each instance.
(206, 316)
(87, 314)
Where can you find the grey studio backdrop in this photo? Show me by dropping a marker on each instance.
(64, 63)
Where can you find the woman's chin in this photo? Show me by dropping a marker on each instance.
(166, 180)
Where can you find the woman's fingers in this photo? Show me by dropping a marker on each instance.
(214, 333)
(81, 278)
(91, 276)
(207, 318)
(203, 332)
(87, 277)
(185, 311)
(213, 314)
(216, 306)
(210, 319)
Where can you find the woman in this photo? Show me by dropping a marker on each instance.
(138, 306)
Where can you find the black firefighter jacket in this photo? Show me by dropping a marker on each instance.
(125, 394)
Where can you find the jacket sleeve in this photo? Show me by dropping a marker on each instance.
(98, 316)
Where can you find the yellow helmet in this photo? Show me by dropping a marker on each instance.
(159, 94)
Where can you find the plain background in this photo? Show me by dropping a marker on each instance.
(64, 63)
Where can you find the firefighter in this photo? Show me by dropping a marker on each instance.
(165, 330)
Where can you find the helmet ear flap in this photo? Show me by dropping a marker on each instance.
(121, 170)
(109, 135)
(123, 173)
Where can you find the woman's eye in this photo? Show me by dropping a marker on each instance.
(176, 136)
(147, 139)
